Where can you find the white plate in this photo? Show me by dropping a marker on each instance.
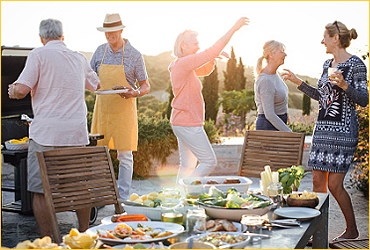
(176, 229)
(146, 246)
(240, 228)
(107, 220)
(225, 245)
(297, 212)
(110, 91)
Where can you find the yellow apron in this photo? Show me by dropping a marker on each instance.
(115, 117)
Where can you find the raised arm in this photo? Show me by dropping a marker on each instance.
(302, 86)
(195, 61)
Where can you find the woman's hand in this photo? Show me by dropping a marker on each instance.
(337, 79)
(240, 23)
(224, 54)
(289, 75)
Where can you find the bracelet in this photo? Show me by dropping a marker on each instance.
(138, 94)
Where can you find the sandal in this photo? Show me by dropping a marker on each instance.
(309, 242)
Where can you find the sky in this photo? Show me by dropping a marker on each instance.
(152, 26)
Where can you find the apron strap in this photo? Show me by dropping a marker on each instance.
(123, 50)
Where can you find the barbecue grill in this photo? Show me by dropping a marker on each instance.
(13, 60)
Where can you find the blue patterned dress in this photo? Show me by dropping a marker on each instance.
(335, 137)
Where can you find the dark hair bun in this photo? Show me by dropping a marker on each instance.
(353, 34)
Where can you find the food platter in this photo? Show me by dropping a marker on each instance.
(108, 220)
(240, 228)
(175, 229)
(299, 213)
(220, 235)
(110, 91)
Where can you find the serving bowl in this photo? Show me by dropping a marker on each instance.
(233, 214)
(196, 245)
(292, 202)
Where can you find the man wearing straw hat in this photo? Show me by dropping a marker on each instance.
(119, 65)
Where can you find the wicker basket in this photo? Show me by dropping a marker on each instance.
(16, 146)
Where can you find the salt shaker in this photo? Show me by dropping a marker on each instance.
(196, 221)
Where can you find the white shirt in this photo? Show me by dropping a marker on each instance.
(58, 77)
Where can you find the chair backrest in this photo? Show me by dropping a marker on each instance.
(274, 148)
(77, 178)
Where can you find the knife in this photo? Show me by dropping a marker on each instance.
(130, 203)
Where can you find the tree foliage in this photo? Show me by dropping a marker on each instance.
(306, 104)
(230, 73)
(241, 80)
(210, 95)
(238, 102)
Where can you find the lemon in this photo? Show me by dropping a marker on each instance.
(139, 246)
(134, 196)
(85, 241)
(74, 232)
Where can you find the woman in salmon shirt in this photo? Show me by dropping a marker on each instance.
(187, 116)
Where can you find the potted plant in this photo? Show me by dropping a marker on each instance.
(290, 178)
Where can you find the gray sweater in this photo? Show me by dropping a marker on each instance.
(271, 97)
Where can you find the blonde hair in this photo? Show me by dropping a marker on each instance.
(269, 46)
(177, 50)
(345, 35)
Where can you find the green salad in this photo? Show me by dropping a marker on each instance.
(232, 199)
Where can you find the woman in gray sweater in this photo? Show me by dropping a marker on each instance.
(271, 93)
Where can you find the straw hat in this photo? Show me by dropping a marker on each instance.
(112, 22)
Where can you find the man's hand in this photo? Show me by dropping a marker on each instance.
(131, 93)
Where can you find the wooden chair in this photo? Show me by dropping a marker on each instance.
(274, 148)
(77, 178)
(350, 244)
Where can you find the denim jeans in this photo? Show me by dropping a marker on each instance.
(263, 124)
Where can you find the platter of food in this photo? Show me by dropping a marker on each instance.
(222, 225)
(124, 218)
(233, 240)
(111, 91)
(194, 185)
(232, 205)
(136, 232)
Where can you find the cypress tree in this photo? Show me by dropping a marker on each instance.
(230, 73)
(306, 104)
(210, 95)
(241, 80)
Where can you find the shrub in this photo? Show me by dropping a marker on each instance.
(211, 131)
(229, 125)
(360, 175)
(156, 141)
(303, 123)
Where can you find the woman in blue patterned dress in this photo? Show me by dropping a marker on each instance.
(336, 132)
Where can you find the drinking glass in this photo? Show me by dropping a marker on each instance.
(196, 221)
(171, 192)
(253, 224)
(172, 212)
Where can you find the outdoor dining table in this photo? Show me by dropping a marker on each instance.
(289, 238)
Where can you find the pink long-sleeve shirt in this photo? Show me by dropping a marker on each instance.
(188, 103)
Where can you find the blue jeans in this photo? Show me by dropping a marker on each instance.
(263, 124)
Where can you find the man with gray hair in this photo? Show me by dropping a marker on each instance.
(56, 77)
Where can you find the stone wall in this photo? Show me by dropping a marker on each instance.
(228, 156)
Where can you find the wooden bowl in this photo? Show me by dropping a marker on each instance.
(302, 202)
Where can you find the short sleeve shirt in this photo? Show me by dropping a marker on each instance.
(132, 61)
(58, 77)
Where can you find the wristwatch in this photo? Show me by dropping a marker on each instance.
(139, 93)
